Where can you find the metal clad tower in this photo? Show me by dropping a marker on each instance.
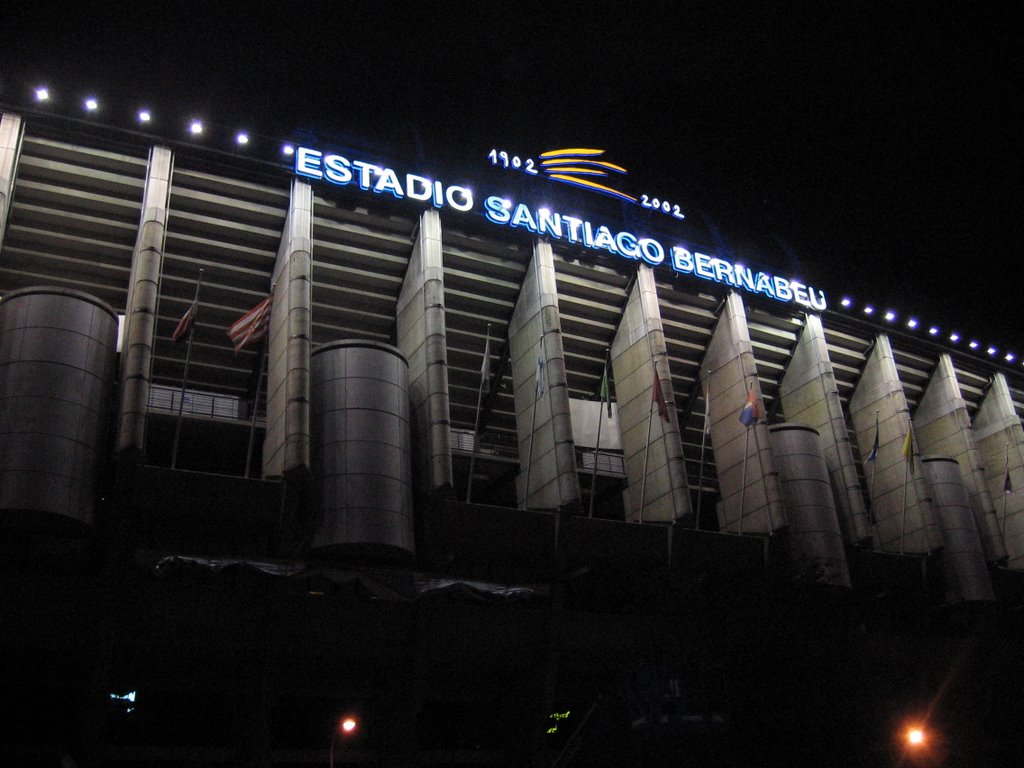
(810, 504)
(810, 396)
(361, 448)
(963, 557)
(58, 351)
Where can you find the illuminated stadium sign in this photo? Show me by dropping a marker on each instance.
(543, 222)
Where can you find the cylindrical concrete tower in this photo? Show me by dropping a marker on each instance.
(58, 354)
(361, 449)
(815, 536)
(963, 557)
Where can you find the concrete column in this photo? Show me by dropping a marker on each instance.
(648, 441)
(422, 338)
(140, 311)
(943, 428)
(815, 540)
(810, 396)
(747, 479)
(903, 516)
(963, 557)
(547, 456)
(1000, 440)
(11, 131)
(286, 446)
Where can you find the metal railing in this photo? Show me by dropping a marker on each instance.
(206, 404)
(494, 446)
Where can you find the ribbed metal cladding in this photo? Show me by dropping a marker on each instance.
(361, 449)
(58, 355)
(963, 559)
(815, 536)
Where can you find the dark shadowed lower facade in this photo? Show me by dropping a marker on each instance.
(509, 485)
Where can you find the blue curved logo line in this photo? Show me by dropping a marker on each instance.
(572, 165)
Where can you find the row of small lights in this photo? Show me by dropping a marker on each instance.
(145, 116)
(195, 128)
(934, 331)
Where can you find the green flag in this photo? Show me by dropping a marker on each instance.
(605, 393)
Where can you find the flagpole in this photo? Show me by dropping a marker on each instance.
(760, 464)
(184, 376)
(743, 480)
(536, 385)
(874, 465)
(647, 453)
(743, 475)
(597, 452)
(664, 434)
(255, 406)
(541, 371)
(908, 457)
(903, 514)
(703, 446)
(656, 400)
(1006, 492)
(476, 421)
(606, 392)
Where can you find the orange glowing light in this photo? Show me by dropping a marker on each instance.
(348, 725)
(915, 736)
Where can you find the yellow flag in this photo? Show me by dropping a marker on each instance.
(908, 443)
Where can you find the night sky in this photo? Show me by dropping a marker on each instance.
(871, 148)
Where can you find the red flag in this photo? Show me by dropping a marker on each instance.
(185, 324)
(658, 398)
(751, 412)
(252, 326)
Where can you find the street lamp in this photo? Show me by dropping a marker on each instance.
(915, 737)
(918, 745)
(346, 726)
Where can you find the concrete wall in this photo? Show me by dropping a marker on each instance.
(943, 428)
(1000, 439)
(422, 338)
(963, 559)
(751, 498)
(10, 144)
(286, 445)
(652, 448)
(816, 543)
(547, 458)
(899, 497)
(141, 307)
(810, 396)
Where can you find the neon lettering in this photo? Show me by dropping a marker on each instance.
(341, 171)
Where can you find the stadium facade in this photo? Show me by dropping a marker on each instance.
(490, 475)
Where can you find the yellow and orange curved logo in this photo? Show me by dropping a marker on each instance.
(580, 167)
